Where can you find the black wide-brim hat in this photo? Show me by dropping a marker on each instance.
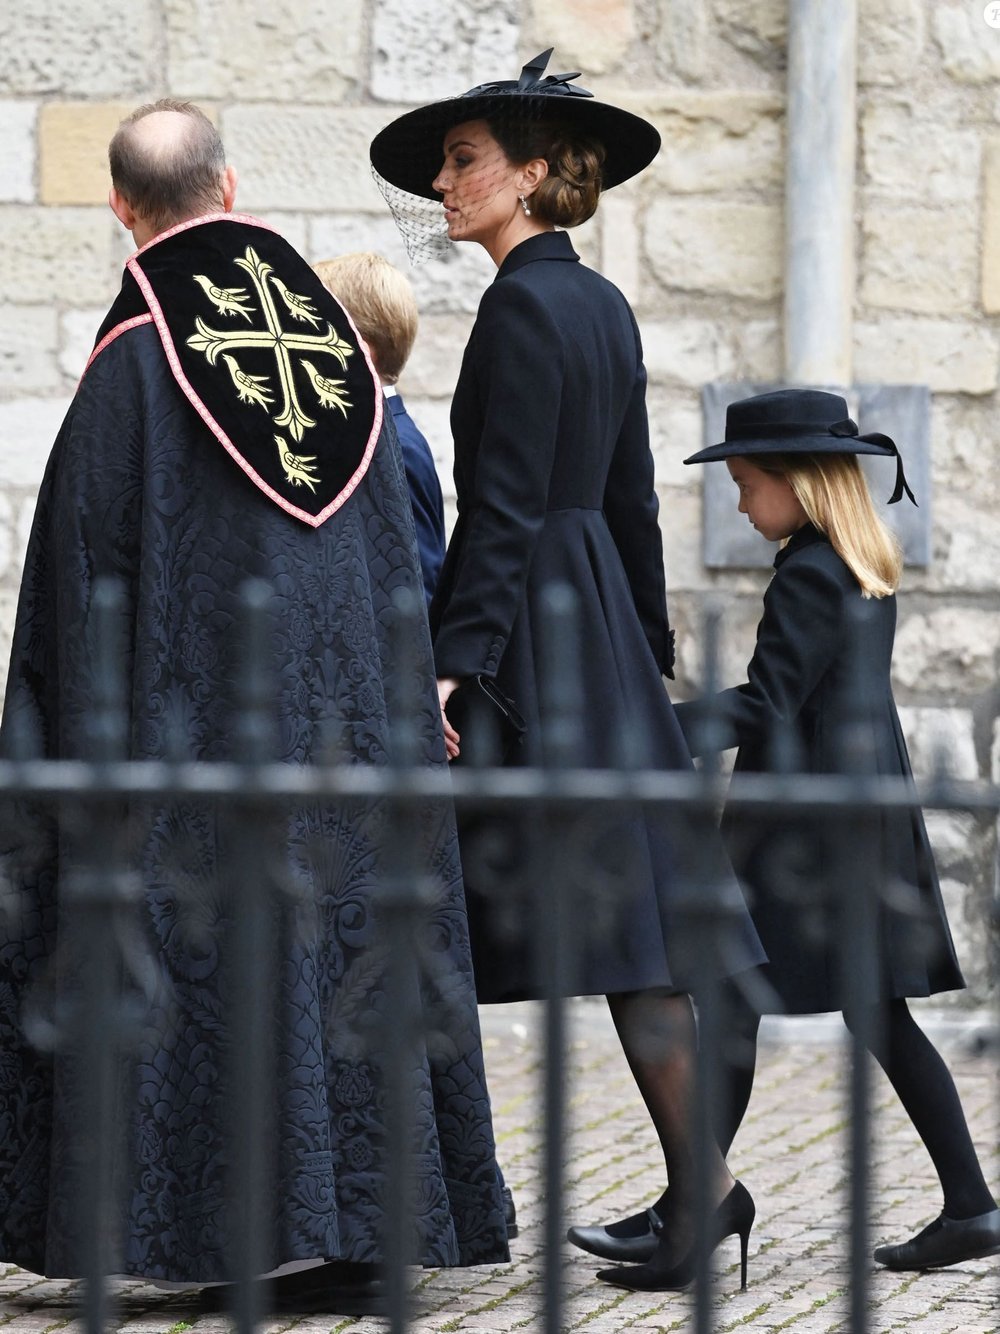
(799, 421)
(408, 153)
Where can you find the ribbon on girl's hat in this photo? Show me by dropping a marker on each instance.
(850, 428)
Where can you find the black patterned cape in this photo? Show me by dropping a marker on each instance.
(141, 486)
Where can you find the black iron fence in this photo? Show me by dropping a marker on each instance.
(115, 973)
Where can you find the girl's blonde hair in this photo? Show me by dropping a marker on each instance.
(832, 490)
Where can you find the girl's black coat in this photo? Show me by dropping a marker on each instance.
(798, 677)
(554, 483)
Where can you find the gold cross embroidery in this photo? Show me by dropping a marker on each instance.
(255, 390)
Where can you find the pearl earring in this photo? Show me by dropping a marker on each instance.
(525, 206)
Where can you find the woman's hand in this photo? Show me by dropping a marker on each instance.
(446, 685)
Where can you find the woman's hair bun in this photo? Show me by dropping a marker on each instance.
(569, 193)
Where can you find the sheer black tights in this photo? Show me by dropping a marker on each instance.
(659, 1038)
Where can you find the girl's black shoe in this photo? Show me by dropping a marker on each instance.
(734, 1215)
(946, 1241)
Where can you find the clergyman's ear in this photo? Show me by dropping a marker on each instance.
(230, 180)
(122, 209)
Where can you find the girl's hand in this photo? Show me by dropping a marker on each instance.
(446, 685)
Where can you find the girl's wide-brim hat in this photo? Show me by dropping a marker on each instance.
(408, 153)
(799, 421)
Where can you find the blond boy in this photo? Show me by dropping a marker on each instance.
(380, 301)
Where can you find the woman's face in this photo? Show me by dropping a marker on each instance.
(767, 499)
(477, 183)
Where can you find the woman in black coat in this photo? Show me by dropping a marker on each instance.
(822, 659)
(554, 482)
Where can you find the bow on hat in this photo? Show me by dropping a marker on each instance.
(531, 81)
(842, 430)
(798, 421)
(407, 152)
(850, 428)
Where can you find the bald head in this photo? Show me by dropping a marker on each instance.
(167, 165)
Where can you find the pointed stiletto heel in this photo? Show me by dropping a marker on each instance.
(735, 1214)
(744, 1244)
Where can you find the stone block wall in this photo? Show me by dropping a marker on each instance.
(695, 243)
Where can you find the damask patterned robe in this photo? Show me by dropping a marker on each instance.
(142, 486)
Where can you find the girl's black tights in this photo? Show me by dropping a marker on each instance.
(922, 1083)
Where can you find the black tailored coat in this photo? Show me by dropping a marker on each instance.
(554, 483)
(796, 677)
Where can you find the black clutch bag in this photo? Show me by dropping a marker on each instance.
(486, 720)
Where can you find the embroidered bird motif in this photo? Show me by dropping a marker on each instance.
(227, 300)
(299, 307)
(329, 392)
(251, 388)
(299, 468)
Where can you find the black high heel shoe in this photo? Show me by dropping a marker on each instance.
(630, 1240)
(734, 1215)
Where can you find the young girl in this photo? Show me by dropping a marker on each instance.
(792, 454)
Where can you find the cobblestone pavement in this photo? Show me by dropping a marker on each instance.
(791, 1154)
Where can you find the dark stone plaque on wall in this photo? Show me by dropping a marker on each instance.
(901, 411)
